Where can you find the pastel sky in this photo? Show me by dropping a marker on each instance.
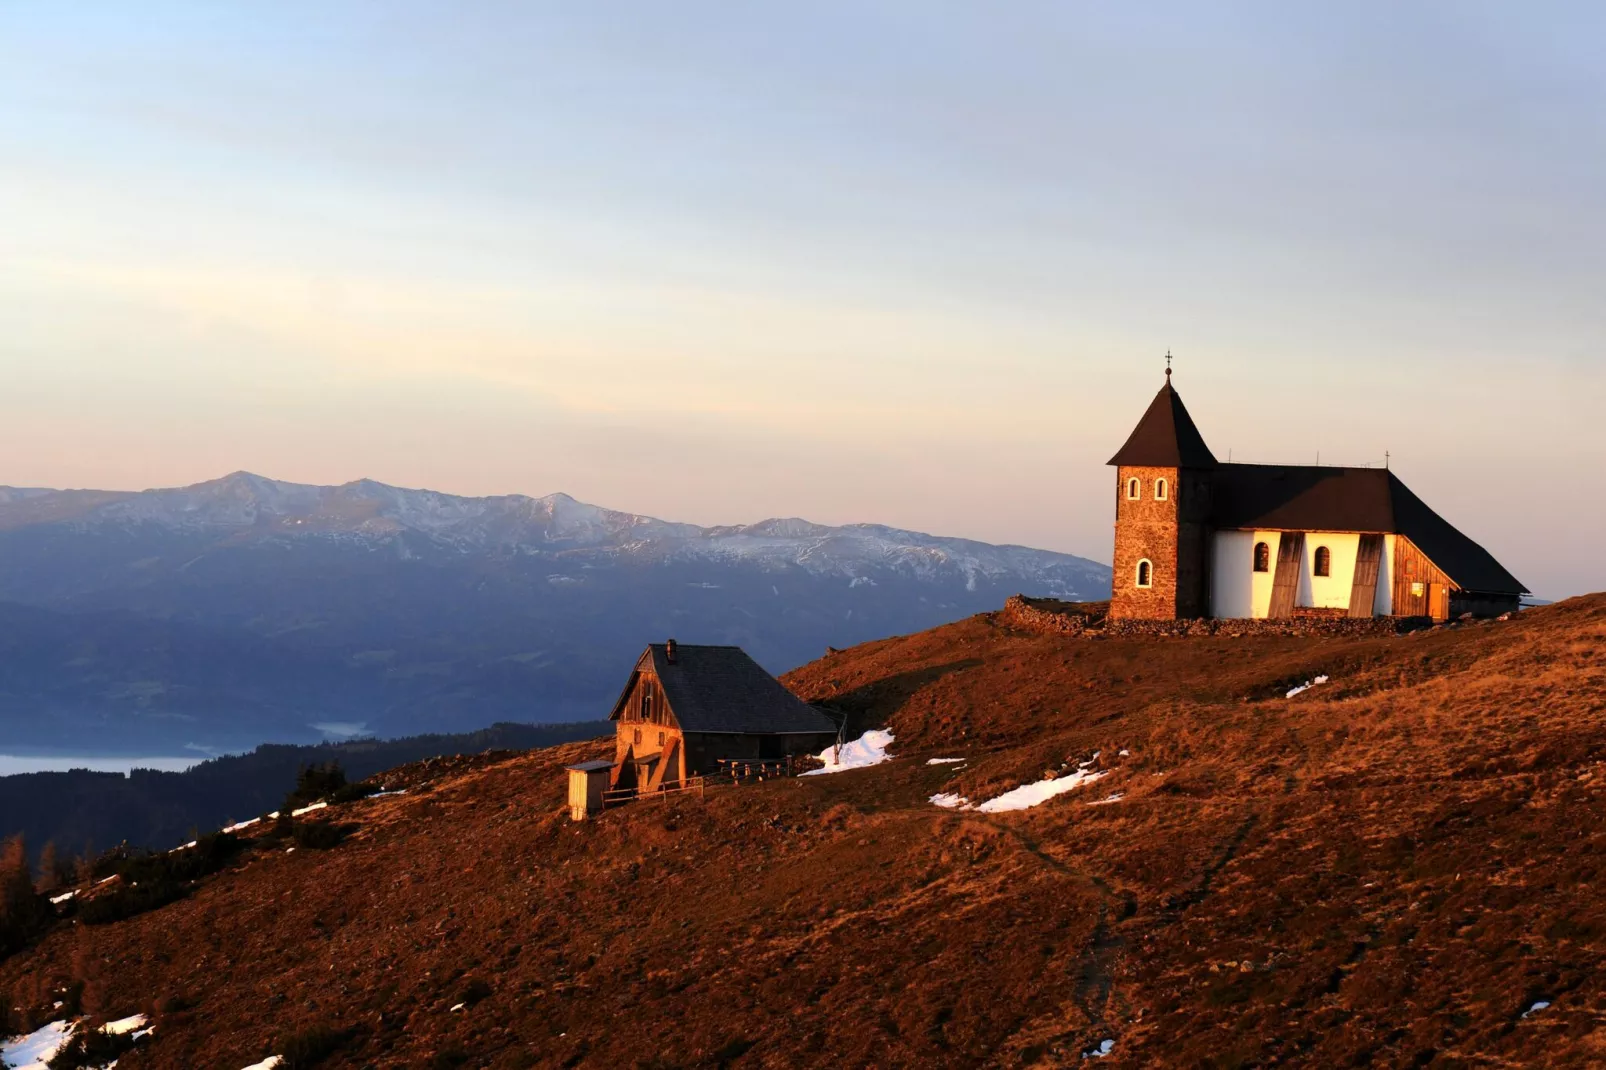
(915, 262)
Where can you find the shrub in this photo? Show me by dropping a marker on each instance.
(319, 835)
(152, 880)
(91, 1048)
(352, 792)
(24, 913)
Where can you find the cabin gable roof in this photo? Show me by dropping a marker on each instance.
(719, 689)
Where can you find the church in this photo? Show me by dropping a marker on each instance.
(1195, 537)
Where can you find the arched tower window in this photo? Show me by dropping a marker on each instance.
(1162, 490)
(1324, 561)
(1262, 557)
(1145, 576)
(646, 705)
(1134, 490)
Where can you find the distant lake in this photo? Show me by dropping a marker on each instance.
(10, 764)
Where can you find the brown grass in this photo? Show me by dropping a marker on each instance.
(1387, 870)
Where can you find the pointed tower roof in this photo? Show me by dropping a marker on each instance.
(1166, 436)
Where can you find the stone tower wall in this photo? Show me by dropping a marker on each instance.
(1173, 534)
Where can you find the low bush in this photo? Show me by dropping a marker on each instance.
(151, 880)
(319, 835)
(91, 1048)
(352, 792)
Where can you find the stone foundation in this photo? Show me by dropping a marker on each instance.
(1030, 615)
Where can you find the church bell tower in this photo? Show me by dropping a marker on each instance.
(1162, 515)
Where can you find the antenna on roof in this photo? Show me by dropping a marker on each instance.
(1385, 460)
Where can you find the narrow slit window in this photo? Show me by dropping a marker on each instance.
(1324, 561)
(1162, 490)
(1145, 573)
(646, 705)
(1262, 557)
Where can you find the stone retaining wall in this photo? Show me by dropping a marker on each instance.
(1018, 612)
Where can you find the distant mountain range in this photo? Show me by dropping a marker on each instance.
(246, 609)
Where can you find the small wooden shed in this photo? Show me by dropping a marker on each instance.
(587, 782)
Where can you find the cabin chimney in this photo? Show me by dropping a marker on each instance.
(669, 651)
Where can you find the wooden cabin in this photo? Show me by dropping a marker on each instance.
(685, 708)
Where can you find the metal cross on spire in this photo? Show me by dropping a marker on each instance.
(1168, 365)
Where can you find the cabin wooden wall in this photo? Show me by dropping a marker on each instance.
(657, 733)
(1416, 581)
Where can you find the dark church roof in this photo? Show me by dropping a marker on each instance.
(1166, 436)
(1306, 498)
(721, 689)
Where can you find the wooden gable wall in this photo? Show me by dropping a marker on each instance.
(1421, 588)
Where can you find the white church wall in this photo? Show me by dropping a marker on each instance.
(1236, 589)
(1333, 590)
(1232, 574)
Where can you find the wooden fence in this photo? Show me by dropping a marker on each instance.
(620, 796)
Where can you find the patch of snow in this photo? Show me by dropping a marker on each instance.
(113, 877)
(1542, 1005)
(869, 749)
(244, 824)
(289, 850)
(183, 847)
(1113, 797)
(308, 809)
(266, 1064)
(1024, 797)
(1125, 754)
(457, 1007)
(1302, 688)
(382, 794)
(943, 761)
(1105, 1047)
(125, 1025)
(57, 900)
(34, 1051)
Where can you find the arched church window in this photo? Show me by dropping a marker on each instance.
(1162, 490)
(1324, 561)
(1145, 573)
(1262, 557)
(1134, 490)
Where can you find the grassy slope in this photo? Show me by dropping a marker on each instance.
(1388, 869)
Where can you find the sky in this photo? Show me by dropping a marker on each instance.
(913, 263)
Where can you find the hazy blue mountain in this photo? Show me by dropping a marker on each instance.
(246, 609)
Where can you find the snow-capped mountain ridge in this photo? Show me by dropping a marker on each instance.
(245, 507)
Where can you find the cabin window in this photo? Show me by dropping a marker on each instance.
(1324, 561)
(1162, 490)
(1262, 557)
(1145, 573)
(660, 739)
(1134, 490)
(646, 705)
(638, 736)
